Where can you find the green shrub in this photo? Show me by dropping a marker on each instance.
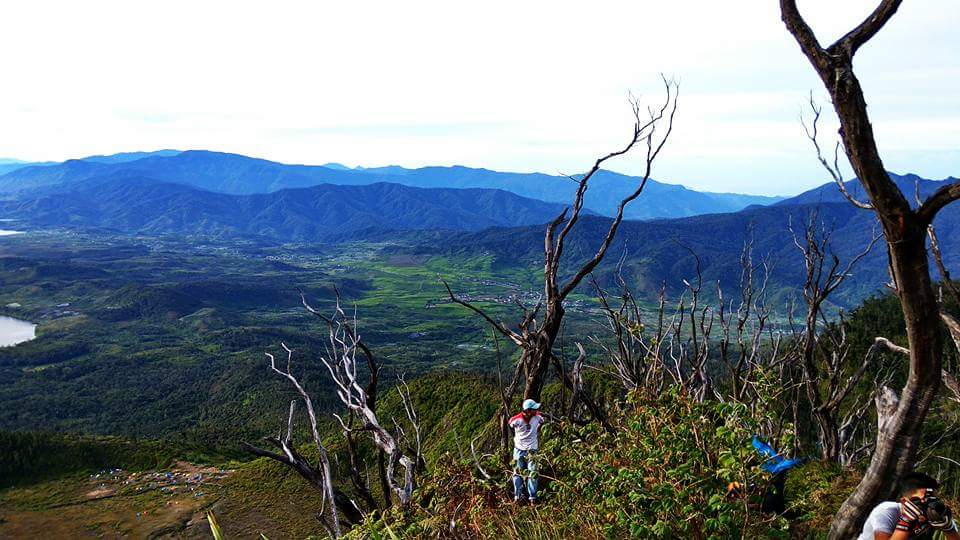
(664, 473)
(816, 490)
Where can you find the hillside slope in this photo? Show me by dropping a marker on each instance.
(909, 184)
(662, 251)
(660, 200)
(145, 206)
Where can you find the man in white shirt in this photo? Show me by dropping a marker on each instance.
(915, 515)
(526, 441)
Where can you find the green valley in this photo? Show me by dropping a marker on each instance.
(158, 337)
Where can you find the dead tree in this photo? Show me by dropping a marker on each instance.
(747, 342)
(336, 501)
(953, 327)
(946, 282)
(686, 339)
(825, 356)
(949, 381)
(341, 363)
(636, 352)
(340, 318)
(537, 332)
(639, 356)
(905, 231)
(687, 342)
(691, 354)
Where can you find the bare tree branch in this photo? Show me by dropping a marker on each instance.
(496, 325)
(855, 38)
(576, 376)
(945, 280)
(341, 364)
(476, 459)
(653, 150)
(801, 31)
(936, 202)
(834, 168)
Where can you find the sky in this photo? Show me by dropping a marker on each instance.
(513, 86)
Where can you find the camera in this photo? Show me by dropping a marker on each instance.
(938, 514)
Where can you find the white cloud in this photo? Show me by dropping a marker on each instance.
(509, 85)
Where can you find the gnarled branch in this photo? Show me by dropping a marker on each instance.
(834, 168)
(854, 39)
(936, 202)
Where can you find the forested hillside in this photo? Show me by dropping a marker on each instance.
(482, 222)
(321, 213)
(656, 253)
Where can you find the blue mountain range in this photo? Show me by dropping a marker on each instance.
(242, 175)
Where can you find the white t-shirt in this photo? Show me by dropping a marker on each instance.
(882, 519)
(526, 433)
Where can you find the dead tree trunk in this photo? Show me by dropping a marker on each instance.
(371, 390)
(905, 232)
(536, 336)
(341, 363)
(335, 500)
(824, 356)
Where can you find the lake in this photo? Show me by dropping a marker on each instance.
(13, 331)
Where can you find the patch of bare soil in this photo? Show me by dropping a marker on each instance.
(115, 504)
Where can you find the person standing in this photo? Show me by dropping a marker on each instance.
(526, 442)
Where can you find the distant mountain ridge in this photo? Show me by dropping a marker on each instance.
(9, 165)
(241, 175)
(319, 213)
(661, 252)
(458, 220)
(909, 184)
(126, 157)
(607, 188)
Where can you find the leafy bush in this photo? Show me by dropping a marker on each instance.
(817, 489)
(664, 473)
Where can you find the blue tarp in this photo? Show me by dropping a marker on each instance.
(775, 463)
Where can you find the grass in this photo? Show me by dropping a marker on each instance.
(264, 497)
